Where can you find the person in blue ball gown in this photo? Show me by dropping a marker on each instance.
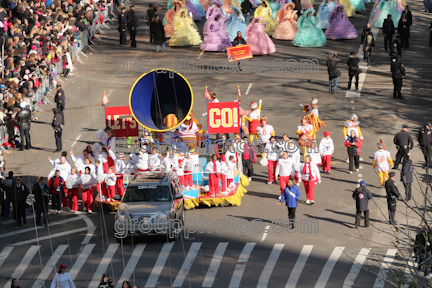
(274, 5)
(308, 34)
(358, 5)
(323, 12)
(236, 23)
(387, 7)
(199, 7)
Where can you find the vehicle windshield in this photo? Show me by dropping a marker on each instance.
(147, 193)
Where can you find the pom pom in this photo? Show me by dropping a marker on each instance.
(79, 164)
(264, 162)
(347, 124)
(71, 182)
(86, 179)
(100, 178)
(100, 133)
(96, 147)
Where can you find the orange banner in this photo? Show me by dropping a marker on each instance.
(240, 52)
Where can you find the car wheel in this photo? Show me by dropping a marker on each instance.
(174, 231)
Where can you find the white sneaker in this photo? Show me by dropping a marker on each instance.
(312, 202)
(351, 172)
(269, 183)
(279, 197)
(357, 170)
(250, 179)
(90, 212)
(308, 202)
(347, 160)
(109, 200)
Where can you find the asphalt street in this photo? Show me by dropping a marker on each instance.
(331, 254)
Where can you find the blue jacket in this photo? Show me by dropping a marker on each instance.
(291, 196)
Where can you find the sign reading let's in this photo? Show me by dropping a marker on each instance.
(120, 119)
(223, 117)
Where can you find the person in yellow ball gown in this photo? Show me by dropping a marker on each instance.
(185, 30)
(349, 8)
(265, 12)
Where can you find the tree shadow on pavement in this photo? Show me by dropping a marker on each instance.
(343, 223)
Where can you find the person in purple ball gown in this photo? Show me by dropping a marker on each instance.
(191, 8)
(340, 27)
(216, 38)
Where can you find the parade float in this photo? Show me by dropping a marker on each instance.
(160, 102)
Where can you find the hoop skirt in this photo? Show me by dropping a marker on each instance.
(260, 42)
(274, 7)
(216, 38)
(358, 5)
(288, 27)
(235, 24)
(308, 34)
(265, 13)
(169, 18)
(185, 32)
(211, 14)
(324, 11)
(349, 8)
(199, 7)
(340, 27)
(385, 8)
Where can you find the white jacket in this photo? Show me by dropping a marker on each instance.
(143, 161)
(57, 161)
(103, 157)
(62, 280)
(315, 172)
(285, 167)
(224, 168)
(326, 147)
(228, 154)
(166, 163)
(64, 171)
(154, 160)
(381, 158)
(316, 157)
(210, 168)
(269, 153)
(132, 163)
(295, 156)
(111, 179)
(73, 181)
(231, 169)
(87, 181)
(180, 169)
(120, 166)
(173, 159)
(189, 164)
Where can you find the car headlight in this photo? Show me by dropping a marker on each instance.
(121, 215)
(165, 215)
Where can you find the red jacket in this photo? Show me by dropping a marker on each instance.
(56, 182)
(357, 144)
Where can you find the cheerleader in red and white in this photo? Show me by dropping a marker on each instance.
(223, 175)
(143, 161)
(306, 134)
(188, 166)
(154, 160)
(326, 148)
(91, 153)
(87, 181)
(111, 180)
(108, 139)
(231, 167)
(272, 159)
(294, 154)
(180, 170)
(166, 163)
(310, 176)
(100, 181)
(120, 169)
(72, 185)
(285, 169)
(103, 158)
(131, 166)
(213, 168)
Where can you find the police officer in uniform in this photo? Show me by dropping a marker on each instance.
(60, 99)
(122, 20)
(58, 130)
(424, 138)
(392, 197)
(23, 121)
(132, 25)
(404, 142)
(7, 186)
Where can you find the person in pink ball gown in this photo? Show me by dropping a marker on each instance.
(216, 38)
(288, 25)
(260, 42)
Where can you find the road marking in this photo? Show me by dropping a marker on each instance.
(385, 266)
(50, 265)
(187, 264)
(268, 268)
(90, 233)
(266, 230)
(239, 269)
(13, 233)
(249, 87)
(361, 159)
(76, 140)
(214, 264)
(19, 271)
(109, 93)
(133, 261)
(355, 269)
(359, 175)
(103, 265)
(408, 273)
(4, 254)
(390, 113)
(298, 267)
(361, 167)
(81, 260)
(160, 263)
(49, 237)
(328, 268)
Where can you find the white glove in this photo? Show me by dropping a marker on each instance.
(346, 137)
(299, 180)
(260, 102)
(301, 105)
(204, 114)
(319, 181)
(361, 138)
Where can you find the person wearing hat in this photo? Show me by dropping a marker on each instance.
(122, 21)
(382, 161)
(333, 72)
(62, 278)
(187, 131)
(306, 134)
(7, 186)
(23, 121)
(40, 192)
(254, 119)
(404, 142)
(132, 23)
(407, 176)
(392, 196)
(424, 138)
(326, 149)
(58, 130)
(19, 198)
(398, 73)
(60, 99)
(362, 197)
(352, 124)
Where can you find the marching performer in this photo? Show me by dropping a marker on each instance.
(306, 134)
(180, 170)
(71, 186)
(154, 161)
(382, 162)
(310, 176)
(285, 169)
(354, 125)
(107, 137)
(57, 161)
(120, 168)
(100, 181)
(143, 160)
(272, 159)
(264, 132)
(87, 181)
(294, 154)
(254, 119)
(313, 115)
(166, 163)
(131, 165)
(326, 149)
(111, 183)
(188, 166)
(213, 168)
(223, 175)
(231, 168)
(103, 158)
